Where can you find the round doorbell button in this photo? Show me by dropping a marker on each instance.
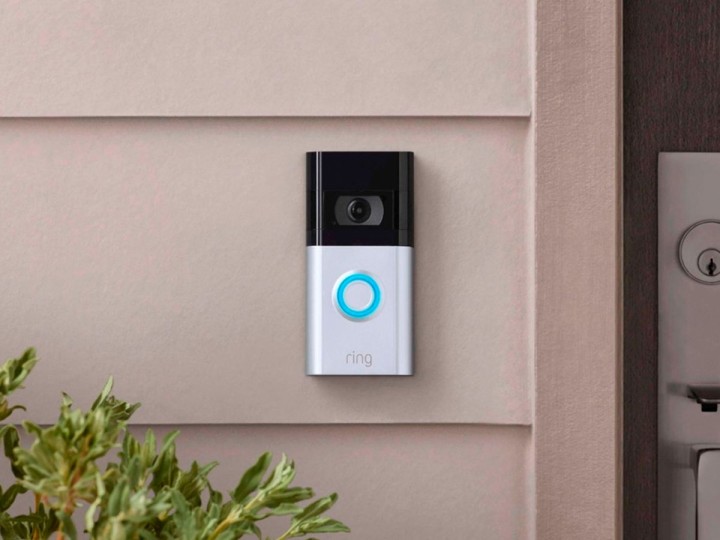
(357, 296)
(699, 251)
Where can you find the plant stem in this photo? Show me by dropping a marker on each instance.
(229, 520)
(36, 531)
(286, 534)
(236, 516)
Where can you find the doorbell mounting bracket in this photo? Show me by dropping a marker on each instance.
(359, 263)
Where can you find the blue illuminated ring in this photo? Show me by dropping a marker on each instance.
(358, 314)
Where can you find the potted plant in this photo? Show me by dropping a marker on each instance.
(88, 462)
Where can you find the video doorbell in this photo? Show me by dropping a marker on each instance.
(359, 263)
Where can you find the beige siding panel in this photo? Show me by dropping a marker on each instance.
(426, 482)
(269, 58)
(170, 253)
(395, 482)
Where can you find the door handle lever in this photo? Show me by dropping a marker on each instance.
(707, 395)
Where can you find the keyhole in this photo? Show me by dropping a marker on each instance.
(708, 265)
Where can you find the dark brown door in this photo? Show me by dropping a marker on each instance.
(671, 101)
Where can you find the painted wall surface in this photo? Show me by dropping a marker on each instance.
(170, 251)
(421, 482)
(269, 58)
(171, 254)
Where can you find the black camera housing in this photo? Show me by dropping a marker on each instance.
(381, 182)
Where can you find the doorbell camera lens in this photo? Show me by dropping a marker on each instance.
(359, 210)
